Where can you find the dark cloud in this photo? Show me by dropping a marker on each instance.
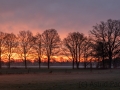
(63, 15)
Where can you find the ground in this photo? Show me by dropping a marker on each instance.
(59, 79)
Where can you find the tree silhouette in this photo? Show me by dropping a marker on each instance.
(51, 43)
(87, 50)
(109, 34)
(74, 43)
(10, 45)
(69, 48)
(2, 37)
(101, 52)
(38, 47)
(26, 42)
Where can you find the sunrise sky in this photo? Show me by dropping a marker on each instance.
(63, 15)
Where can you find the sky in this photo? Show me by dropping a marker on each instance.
(63, 15)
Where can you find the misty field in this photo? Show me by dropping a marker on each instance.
(59, 79)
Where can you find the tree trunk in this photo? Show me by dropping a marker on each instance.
(77, 65)
(98, 64)
(91, 65)
(48, 62)
(103, 61)
(39, 54)
(110, 59)
(73, 60)
(25, 62)
(39, 62)
(0, 62)
(85, 61)
(9, 61)
(110, 62)
(85, 64)
(73, 63)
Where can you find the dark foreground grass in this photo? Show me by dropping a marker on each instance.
(62, 86)
(61, 79)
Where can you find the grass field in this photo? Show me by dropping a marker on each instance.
(59, 79)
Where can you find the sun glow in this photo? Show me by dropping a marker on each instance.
(33, 58)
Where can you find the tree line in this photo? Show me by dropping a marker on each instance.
(102, 45)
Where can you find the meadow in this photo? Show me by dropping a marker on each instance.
(59, 79)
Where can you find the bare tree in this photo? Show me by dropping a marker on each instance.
(2, 36)
(100, 52)
(87, 49)
(38, 47)
(51, 43)
(109, 34)
(74, 43)
(69, 48)
(26, 42)
(10, 45)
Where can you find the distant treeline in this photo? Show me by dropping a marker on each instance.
(101, 46)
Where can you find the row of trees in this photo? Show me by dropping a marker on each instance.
(102, 44)
(25, 44)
